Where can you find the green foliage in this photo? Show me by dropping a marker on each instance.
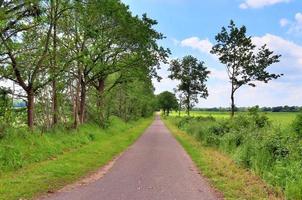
(167, 102)
(19, 149)
(260, 120)
(297, 124)
(192, 75)
(6, 111)
(254, 142)
(64, 57)
(244, 64)
(223, 173)
(131, 100)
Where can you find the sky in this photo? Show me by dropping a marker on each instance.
(190, 27)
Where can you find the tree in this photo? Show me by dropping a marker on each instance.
(25, 52)
(79, 58)
(180, 99)
(57, 10)
(119, 44)
(192, 75)
(244, 63)
(167, 102)
(25, 41)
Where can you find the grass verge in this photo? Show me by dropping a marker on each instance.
(49, 175)
(232, 180)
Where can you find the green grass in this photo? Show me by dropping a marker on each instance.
(278, 118)
(233, 181)
(67, 161)
(282, 118)
(270, 148)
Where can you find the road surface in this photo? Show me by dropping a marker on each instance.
(155, 168)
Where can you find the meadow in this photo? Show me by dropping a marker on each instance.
(277, 118)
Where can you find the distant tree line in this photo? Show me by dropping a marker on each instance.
(282, 109)
(243, 109)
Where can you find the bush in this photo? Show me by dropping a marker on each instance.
(258, 118)
(297, 125)
(253, 142)
(19, 147)
(2, 130)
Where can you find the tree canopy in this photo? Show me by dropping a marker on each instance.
(70, 57)
(167, 102)
(244, 63)
(192, 75)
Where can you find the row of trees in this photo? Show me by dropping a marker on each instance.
(245, 65)
(264, 109)
(76, 59)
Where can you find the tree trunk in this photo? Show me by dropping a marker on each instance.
(188, 104)
(54, 103)
(232, 104)
(188, 107)
(120, 103)
(82, 102)
(54, 83)
(100, 101)
(76, 106)
(30, 108)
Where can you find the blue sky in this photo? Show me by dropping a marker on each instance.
(191, 25)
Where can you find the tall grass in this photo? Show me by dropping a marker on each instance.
(67, 161)
(19, 148)
(253, 141)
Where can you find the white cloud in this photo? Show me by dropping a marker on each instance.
(203, 46)
(284, 22)
(218, 74)
(290, 51)
(260, 3)
(298, 18)
(294, 26)
(275, 93)
(175, 41)
(286, 90)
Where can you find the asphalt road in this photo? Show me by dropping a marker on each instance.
(155, 168)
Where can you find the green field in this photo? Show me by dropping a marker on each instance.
(278, 118)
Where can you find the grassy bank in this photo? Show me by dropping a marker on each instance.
(38, 164)
(255, 142)
(233, 181)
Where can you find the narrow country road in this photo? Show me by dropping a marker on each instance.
(155, 168)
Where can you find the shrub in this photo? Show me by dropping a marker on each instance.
(297, 124)
(252, 141)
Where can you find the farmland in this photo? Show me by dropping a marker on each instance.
(277, 118)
